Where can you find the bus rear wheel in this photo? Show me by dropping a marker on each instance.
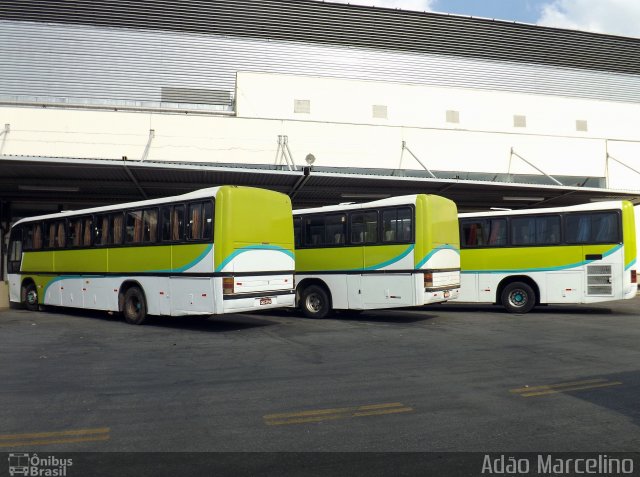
(134, 307)
(315, 302)
(518, 297)
(31, 297)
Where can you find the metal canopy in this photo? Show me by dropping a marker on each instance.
(30, 185)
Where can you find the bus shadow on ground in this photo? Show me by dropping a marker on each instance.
(384, 316)
(213, 323)
(543, 309)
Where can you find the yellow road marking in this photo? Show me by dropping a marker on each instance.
(58, 437)
(74, 432)
(336, 413)
(558, 385)
(572, 388)
(97, 437)
(383, 411)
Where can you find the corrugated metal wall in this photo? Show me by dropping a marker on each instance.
(156, 54)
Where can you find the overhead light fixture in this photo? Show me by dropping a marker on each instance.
(35, 188)
(524, 199)
(365, 196)
(499, 208)
(602, 199)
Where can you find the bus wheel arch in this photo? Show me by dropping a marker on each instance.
(29, 294)
(313, 297)
(132, 302)
(518, 294)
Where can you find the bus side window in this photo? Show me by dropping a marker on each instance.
(473, 233)
(165, 216)
(548, 230)
(578, 228)
(605, 228)
(50, 235)
(297, 231)
(99, 228)
(75, 232)
(27, 237)
(194, 225)
(150, 226)
(336, 229)
(133, 227)
(207, 210)
(497, 232)
(118, 223)
(523, 230)
(177, 223)
(87, 231)
(37, 236)
(314, 231)
(61, 234)
(15, 250)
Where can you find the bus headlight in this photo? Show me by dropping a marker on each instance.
(428, 280)
(227, 285)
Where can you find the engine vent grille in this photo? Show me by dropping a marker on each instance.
(599, 280)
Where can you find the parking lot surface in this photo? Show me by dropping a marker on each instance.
(439, 378)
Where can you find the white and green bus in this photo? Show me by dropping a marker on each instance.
(396, 252)
(577, 254)
(219, 250)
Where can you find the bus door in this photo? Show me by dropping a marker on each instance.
(14, 259)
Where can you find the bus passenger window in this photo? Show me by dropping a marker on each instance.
(314, 233)
(364, 227)
(118, 222)
(207, 210)
(473, 233)
(605, 227)
(547, 230)
(497, 232)
(404, 225)
(133, 227)
(336, 229)
(523, 230)
(297, 230)
(37, 236)
(177, 223)
(75, 232)
(27, 237)
(61, 235)
(194, 225)
(97, 230)
(165, 215)
(150, 226)
(50, 235)
(86, 232)
(397, 225)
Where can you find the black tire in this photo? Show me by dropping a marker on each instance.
(315, 302)
(134, 306)
(31, 297)
(518, 297)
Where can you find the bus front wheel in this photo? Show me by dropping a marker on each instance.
(315, 302)
(31, 297)
(518, 297)
(134, 307)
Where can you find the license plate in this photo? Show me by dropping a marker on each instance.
(265, 301)
(447, 294)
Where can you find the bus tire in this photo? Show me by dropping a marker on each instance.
(315, 302)
(31, 297)
(518, 297)
(134, 307)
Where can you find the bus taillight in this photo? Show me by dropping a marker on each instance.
(634, 276)
(428, 280)
(227, 285)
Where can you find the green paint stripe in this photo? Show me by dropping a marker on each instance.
(546, 269)
(390, 261)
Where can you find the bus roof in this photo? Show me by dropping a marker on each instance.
(592, 206)
(198, 194)
(398, 200)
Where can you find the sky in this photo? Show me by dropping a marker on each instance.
(616, 17)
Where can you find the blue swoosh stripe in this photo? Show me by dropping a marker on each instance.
(434, 251)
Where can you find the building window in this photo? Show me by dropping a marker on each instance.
(519, 121)
(581, 125)
(302, 106)
(453, 116)
(379, 111)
